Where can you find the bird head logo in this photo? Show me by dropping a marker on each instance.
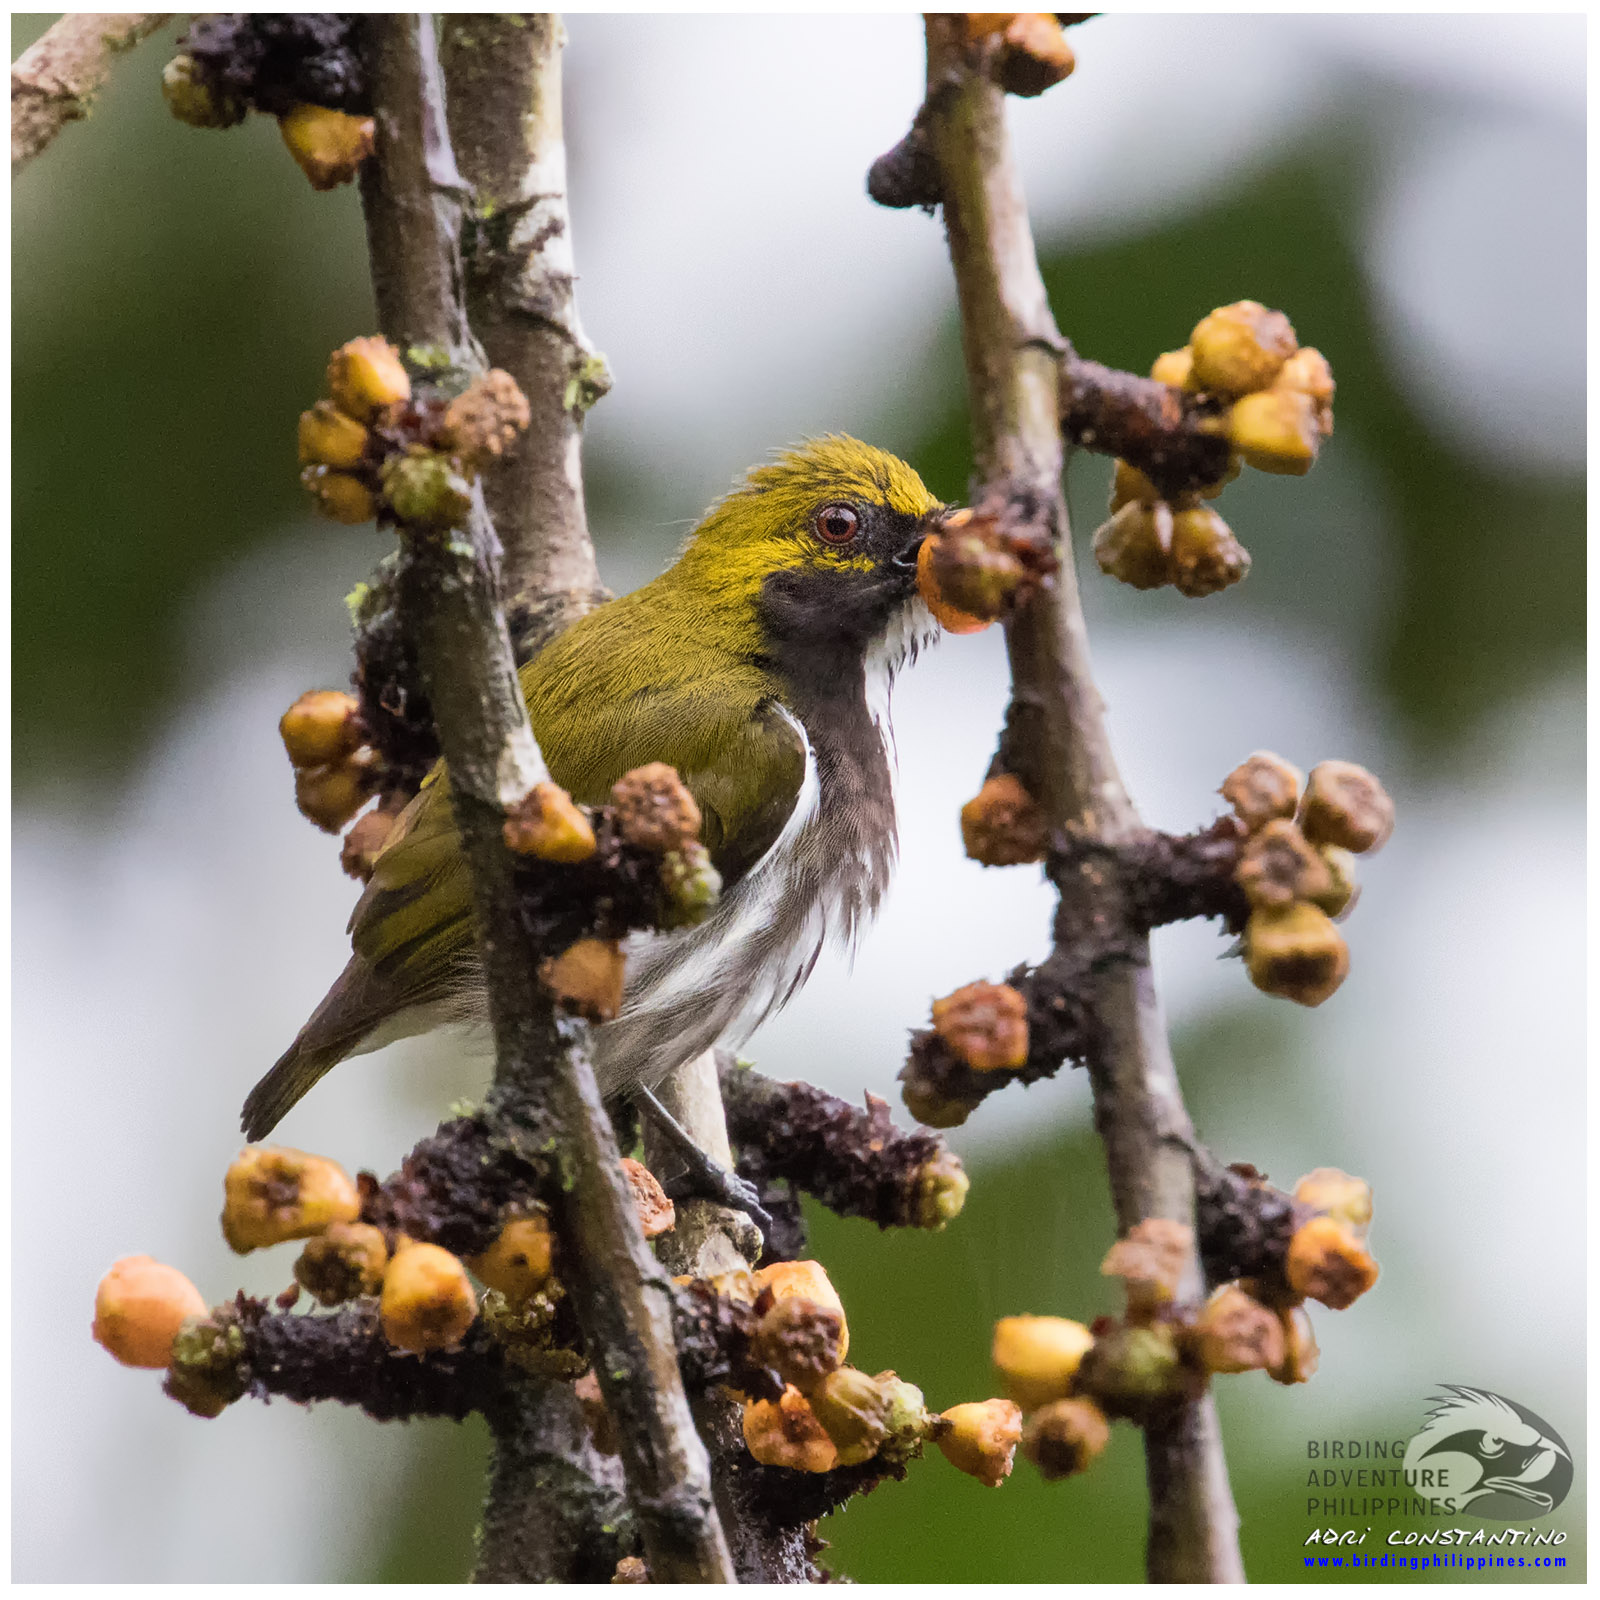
(1489, 1456)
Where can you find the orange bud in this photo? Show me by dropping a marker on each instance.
(786, 1433)
(980, 1439)
(139, 1307)
(331, 794)
(272, 1193)
(949, 617)
(327, 436)
(807, 1280)
(519, 1262)
(1277, 867)
(1036, 55)
(655, 809)
(656, 1212)
(1296, 952)
(1336, 1193)
(365, 376)
(1263, 787)
(427, 1303)
(1236, 1333)
(545, 823)
(483, 422)
(1327, 1262)
(986, 1024)
(344, 1263)
(1002, 825)
(1300, 1348)
(340, 497)
(1150, 1258)
(1064, 1438)
(1037, 1357)
(587, 978)
(799, 1340)
(322, 725)
(328, 146)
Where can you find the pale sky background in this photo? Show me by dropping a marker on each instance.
(736, 318)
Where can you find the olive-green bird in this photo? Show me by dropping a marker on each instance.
(759, 665)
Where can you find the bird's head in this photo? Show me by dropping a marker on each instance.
(818, 549)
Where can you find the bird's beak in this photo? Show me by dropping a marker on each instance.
(906, 559)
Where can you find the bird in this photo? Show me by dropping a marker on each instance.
(759, 665)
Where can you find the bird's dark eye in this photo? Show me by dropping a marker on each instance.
(837, 524)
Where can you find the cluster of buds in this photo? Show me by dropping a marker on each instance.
(1277, 401)
(303, 69)
(1297, 867)
(373, 447)
(828, 1414)
(335, 770)
(978, 566)
(1033, 53)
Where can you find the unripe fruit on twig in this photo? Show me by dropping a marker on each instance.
(329, 795)
(1345, 805)
(587, 978)
(690, 885)
(424, 489)
(1327, 1262)
(655, 809)
(343, 1264)
(1338, 1195)
(785, 1433)
(854, 1413)
(1003, 825)
(931, 1109)
(1308, 371)
(192, 98)
(1150, 1259)
(906, 1416)
(657, 1215)
(322, 725)
(806, 1280)
(1135, 545)
(1136, 1371)
(985, 1024)
(1236, 1333)
(1275, 430)
(1263, 787)
(799, 1340)
(1064, 1438)
(1175, 367)
(1277, 867)
(941, 1191)
(1295, 952)
(483, 422)
(272, 1193)
(1240, 347)
(365, 376)
(519, 1262)
(328, 146)
(980, 1439)
(547, 824)
(340, 497)
(1037, 1357)
(329, 438)
(428, 1302)
(1205, 558)
(139, 1307)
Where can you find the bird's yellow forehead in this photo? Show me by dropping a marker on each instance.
(844, 468)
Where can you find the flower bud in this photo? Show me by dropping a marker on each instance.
(1327, 1262)
(1340, 897)
(139, 1307)
(1235, 1333)
(1295, 952)
(340, 497)
(328, 146)
(1037, 1357)
(785, 1433)
(1035, 55)
(1002, 825)
(1240, 347)
(483, 422)
(657, 1215)
(1263, 787)
(941, 1191)
(854, 1413)
(1064, 1438)
(272, 1193)
(364, 843)
(1300, 1348)
(906, 1417)
(545, 823)
(343, 1264)
(1277, 867)
(587, 978)
(1275, 431)
(331, 794)
(1175, 367)
(1135, 545)
(799, 1340)
(322, 725)
(428, 1302)
(1345, 805)
(690, 885)
(985, 1024)
(519, 1262)
(1151, 1259)
(806, 1280)
(329, 438)
(424, 489)
(930, 1108)
(1130, 486)
(980, 1439)
(1338, 1195)
(655, 809)
(1206, 558)
(1308, 371)
(365, 376)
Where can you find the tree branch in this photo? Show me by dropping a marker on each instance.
(544, 1091)
(53, 81)
(1055, 740)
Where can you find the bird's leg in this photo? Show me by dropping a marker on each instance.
(706, 1179)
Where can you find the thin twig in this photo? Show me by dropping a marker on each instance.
(53, 81)
(544, 1090)
(1056, 739)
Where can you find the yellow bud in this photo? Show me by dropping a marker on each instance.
(1339, 899)
(941, 1191)
(1263, 787)
(1327, 1262)
(1175, 367)
(1345, 805)
(1065, 1437)
(1240, 348)
(1338, 1195)
(483, 422)
(1129, 485)
(1275, 431)
(322, 725)
(1037, 1357)
(1236, 1333)
(329, 795)
(328, 146)
(980, 1439)
(1308, 371)
(428, 1302)
(1206, 558)
(327, 436)
(1277, 867)
(785, 1433)
(546, 824)
(1300, 1348)
(272, 1193)
(1135, 545)
(340, 497)
(853, 1411)
(808, 1280)
(365, 376)
(519, 1262)
(139, 1307)
(1295, 952)
(931, 1109)
(192, 98)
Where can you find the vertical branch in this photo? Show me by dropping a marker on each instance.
(1056, 740)
(544, 1091)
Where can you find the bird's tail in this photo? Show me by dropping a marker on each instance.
(292, 1075)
